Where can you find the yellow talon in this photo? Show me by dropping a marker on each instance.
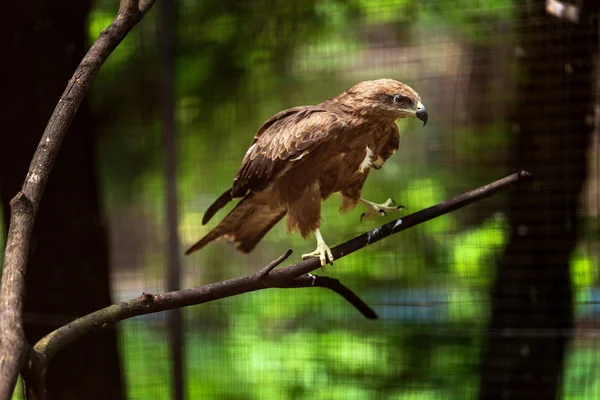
(323, 251)
(388, 206)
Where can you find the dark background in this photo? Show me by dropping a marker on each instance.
(479, 302)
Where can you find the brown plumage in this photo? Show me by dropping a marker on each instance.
(302, 155)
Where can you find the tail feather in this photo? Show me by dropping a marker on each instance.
(246, 224)
(217, 205)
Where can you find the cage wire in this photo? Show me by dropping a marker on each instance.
(238, 63)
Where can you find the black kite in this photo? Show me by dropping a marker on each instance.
(301, 156)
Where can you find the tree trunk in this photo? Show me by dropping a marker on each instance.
(41, 44)
(166, 27)
(532, 312)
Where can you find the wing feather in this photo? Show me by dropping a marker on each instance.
(284, 138)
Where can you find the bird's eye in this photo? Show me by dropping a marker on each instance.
(399, 99)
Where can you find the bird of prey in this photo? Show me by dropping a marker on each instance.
(300, 156)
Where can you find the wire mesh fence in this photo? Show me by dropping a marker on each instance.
(236, 64)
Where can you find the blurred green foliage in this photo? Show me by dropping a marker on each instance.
(583, 270)
(338, 361)
(238, 63)
(469, 19)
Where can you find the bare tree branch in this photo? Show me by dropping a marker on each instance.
(24, 206)
(13, 345)
(268, 277)
(339, 288)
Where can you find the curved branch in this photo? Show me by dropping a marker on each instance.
(337, 287)
(268, 277)
(25, 204)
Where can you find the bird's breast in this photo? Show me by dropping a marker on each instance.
(367, 161)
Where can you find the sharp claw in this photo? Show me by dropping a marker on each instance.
(380, 209)
(327, 257)
(323, 253)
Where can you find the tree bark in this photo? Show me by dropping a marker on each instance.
(42, 43)
(532, 313)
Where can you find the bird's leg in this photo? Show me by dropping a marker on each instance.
(323, 251)
(388, 206)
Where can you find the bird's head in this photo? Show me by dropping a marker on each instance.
(387, 98)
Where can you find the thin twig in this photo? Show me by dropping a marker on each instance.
(337, 287)
(271, 266)
(52, 343)
(24, 206)
(309, 280)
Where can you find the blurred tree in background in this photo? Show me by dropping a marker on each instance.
(553, 114)
(42, 43)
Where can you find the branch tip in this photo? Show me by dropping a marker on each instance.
(265, 271)
(525, 174)
(338, 287)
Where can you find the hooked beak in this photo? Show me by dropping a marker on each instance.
(421, 113)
